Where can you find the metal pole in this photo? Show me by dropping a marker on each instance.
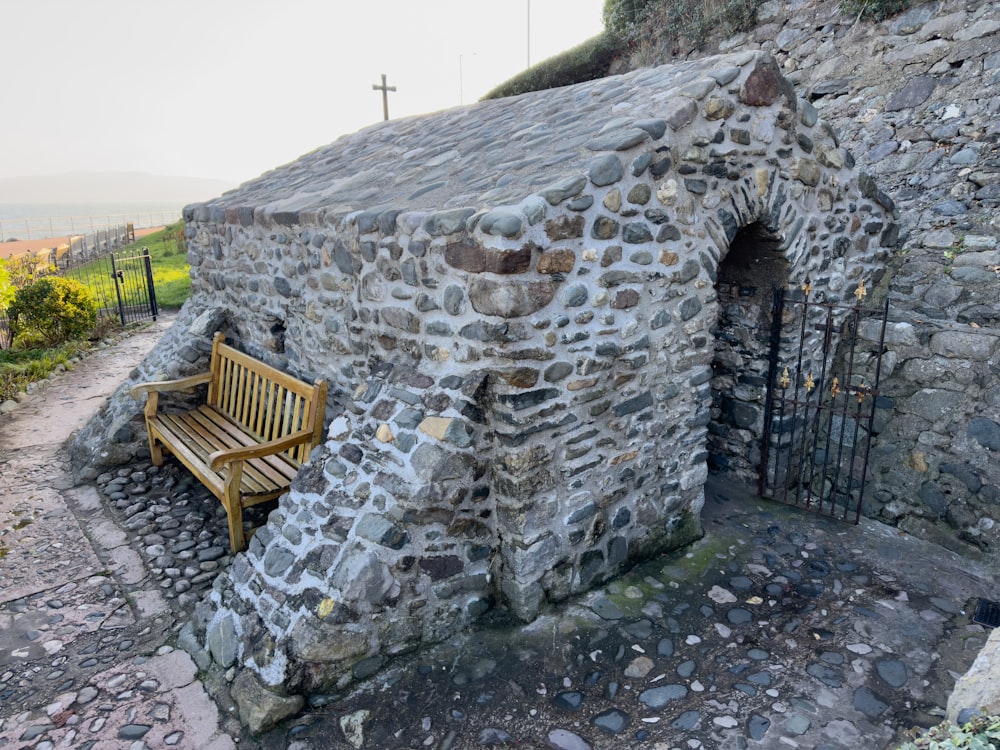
(147, 262)
(529, 33)
(117, 277)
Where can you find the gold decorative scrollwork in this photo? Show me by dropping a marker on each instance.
(785, 379)
(861, 292)
(835, 388)
(810, 383)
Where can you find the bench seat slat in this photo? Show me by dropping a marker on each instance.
(280, 467)
(207, 431)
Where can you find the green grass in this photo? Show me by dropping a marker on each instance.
(171, 272)
(18, 367)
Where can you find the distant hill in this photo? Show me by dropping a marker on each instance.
(91, 187)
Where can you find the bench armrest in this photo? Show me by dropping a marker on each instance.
(220, 458)
(181, 384)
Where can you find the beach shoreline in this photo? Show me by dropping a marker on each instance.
(14, 248)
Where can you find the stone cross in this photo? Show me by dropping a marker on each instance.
(385, 95)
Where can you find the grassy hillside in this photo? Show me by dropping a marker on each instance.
(651, 32)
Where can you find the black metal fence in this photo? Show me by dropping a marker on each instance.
(121, 282)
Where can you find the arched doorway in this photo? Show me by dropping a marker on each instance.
(748, 276)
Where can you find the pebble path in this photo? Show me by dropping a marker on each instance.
(87, 642)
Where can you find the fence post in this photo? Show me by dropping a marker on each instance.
(118, 290)
(148, 263)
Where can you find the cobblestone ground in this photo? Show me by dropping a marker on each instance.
(778, 629)
(87, 656)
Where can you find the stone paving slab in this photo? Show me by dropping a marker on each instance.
(43, 545)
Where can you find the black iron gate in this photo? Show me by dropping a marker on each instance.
(821, 403)
(135, 294)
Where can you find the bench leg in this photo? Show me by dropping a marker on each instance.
(234, 510)
(155, 452)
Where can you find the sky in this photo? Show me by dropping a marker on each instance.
(228, 89)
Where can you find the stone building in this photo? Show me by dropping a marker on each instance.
(530, 312)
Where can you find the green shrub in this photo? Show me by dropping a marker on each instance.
(874, 10)
(585, 62)
(982, 733)
(50, 311)
(623, 18)
(18, 367)
(6, 287)
(675, 27)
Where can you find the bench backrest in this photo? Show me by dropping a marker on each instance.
(266, 401)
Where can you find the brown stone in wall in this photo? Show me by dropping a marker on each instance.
(611, 255)
(510, 299)
(520, 377)
(471, 257)
(564, 228)
(625, 298)
(763, 86)
(557, 261)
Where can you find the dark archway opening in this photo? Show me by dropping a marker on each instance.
(751, 271)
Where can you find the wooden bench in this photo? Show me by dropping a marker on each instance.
(247, 441)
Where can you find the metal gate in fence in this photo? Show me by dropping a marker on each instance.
(122, 285)
(135, 294)
(820, 404)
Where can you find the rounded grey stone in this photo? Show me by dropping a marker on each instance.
(454, 300)
(687, 720)
(133, 731)
(568, 700)
(563, 739)
(493, 736)
(557, 371)
(757, 727)
(986, 432)
(575, 296)
(612, 721)
(606, 609)
(892, 671)
(501, 222)
(869, 703)
(659, 697)
(739, 616)
(605, 170)
(797, 724)
(636, 233)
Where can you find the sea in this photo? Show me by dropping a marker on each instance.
(32, 221)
